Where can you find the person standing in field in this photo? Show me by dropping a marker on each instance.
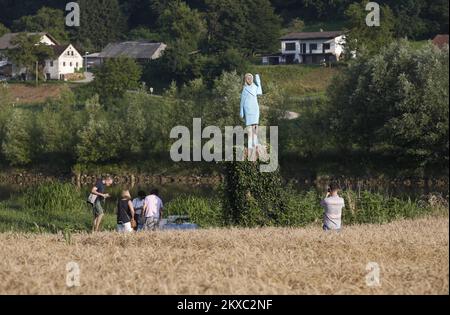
(125, 213)
(152, 212)
(138, 205)
(99, 190)
(333, 205)
(250, 111)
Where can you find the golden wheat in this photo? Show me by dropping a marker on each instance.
(413, 257)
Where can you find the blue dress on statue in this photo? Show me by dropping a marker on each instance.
(249, 102)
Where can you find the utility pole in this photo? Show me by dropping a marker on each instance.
(37, 73)
(86, 62)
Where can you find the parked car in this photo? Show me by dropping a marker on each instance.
(177, 222)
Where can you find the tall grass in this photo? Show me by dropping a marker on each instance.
(304, 209)
(51, 208)
(297, 80)
(57, 207)
(206, 212)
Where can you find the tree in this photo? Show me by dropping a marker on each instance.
(362, 38)
(58, 124)
(296, 25)
(396, 101)
(116, 76)
(101, 22)
(263, 27)
(419, 19)
(101, 138)
(47, 20)
(226, 24)
(250, 25)
(3, 29)
(178, 64)
(143, 33)
(178, 23)
(29, 51)
(17, 144)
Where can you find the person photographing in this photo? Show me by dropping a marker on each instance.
(333, 205)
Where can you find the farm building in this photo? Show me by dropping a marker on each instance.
(308, 48)
(139, 50)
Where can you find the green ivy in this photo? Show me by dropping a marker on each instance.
(252, 198)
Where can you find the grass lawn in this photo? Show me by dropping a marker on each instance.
(299, 83)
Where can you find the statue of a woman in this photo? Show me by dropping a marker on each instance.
(250, 110)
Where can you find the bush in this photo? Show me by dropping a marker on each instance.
(115, 77)
(396, 101)
(303, 209)
(252, 198)
(17, 142)
(368, 207)
(206, 212)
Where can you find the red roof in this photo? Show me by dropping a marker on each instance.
(441, 40)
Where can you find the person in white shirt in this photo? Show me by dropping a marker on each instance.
(152, 212)
(333, 205)
(138, 204)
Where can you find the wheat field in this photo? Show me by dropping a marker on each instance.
(413, 258)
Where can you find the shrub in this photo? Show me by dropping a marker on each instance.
(252, 198)
(303, 209)
(17, 144)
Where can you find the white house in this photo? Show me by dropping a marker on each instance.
(67, 58)
(308, 48)
(67, 61)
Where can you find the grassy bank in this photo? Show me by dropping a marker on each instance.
(49, 208)
(62, 207)
(412, 255)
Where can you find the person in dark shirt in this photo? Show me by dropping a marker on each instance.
(100, 191)
(125, 213)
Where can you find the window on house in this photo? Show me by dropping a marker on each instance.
(326, 46)
(71, 64)
(76, 65)
(290, 47)
(64, 64)
(51, 63)
(312, 46)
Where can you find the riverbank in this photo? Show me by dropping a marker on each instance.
(26, 178)
(415, 260)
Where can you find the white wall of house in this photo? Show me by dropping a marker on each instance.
(68, 62)
(46, 40)
(336, 47)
